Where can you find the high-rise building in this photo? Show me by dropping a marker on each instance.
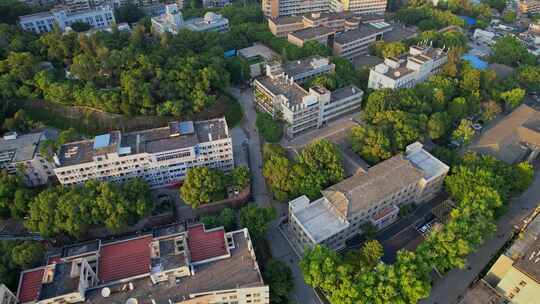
(373, 197)
(280, 8)
(359, 6)
(161, 156)
(171, 264)
(21, 152)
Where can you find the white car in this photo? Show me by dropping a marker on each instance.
(477, 127)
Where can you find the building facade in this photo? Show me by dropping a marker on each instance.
(6, 296)
(374, 197)
(171, 264)
(359, 6)
(407, 71)
(280, 8)
(98, 17)
(279, 94)
(161, 156)
(529, 6)
(338, 22)
(215, 3)
(356, 42)
(172, 21)
(21, 152)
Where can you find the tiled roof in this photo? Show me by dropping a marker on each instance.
(30, 285)
(205, 245)
(125, 259)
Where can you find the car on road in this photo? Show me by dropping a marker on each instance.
(477, 127)
(425, 228)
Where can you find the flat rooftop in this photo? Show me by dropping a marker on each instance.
(426, 162)
(258, 50)
(317, 219)
(526, 250)
(296, 67)
(291, 90)
(360, 33)
(177, 135)
(482, 293)
(24, 147)
(312, 32)
(240, 270)
(344, 92)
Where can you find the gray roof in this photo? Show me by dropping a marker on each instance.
(312, 32)
(296, 67)
(526, 250)
(286, 20)
(359, 33)
(24, 147)
(62, 282)
(360, 191)
(344, 92)
(238, 271)
(291, 90)
(426, 162)
(173, 137)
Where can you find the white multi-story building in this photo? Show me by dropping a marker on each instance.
(99, 17)
(6, 296)
(215, 3)
(161, 156)
(359, 6)
(172, 21)
(407, 71)
(279, 94)
(168, 265)
(22, 152)
(280, 8)
(356, 42)
(372, 197)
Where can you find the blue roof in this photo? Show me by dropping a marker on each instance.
(186, 127)
(102, 141)
(468, 20)
(476, 62)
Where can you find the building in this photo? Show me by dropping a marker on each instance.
(171, 264)
(46, 3)
(372, 197)
(359, 6)
(408, 70)
(483, 36)
(215, 3)
(6, 296)
(279, 8)
(172, 21)
(98, 17)
(22, 151)
(356, 42)
(513, 139)
(339, 22)
(279, 94)
(535, 28)
(257, 55)
(161, 156)
(529, 6)
(319, 34)
(516, 273)
(482, 293)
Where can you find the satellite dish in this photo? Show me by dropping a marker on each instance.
(132, 301)
(105, 292)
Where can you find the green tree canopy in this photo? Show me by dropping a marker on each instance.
(257, 220)
(202, 185)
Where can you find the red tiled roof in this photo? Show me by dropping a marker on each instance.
(125, 259)
(205, 245)
(30, 285)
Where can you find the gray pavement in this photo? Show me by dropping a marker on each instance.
(455, 283)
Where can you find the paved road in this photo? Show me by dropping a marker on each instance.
(455, 283)
(302, 294)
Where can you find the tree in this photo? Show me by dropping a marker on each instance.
(510, 51)
(14, 197)
(27, 254)
(80, 26)
(279, 277)
(365, 258)
(438, 124)
(509, 17)
(202, 185)
(256, 220)
(523, 175)
(490, 109)
(129, 13)
(393, 49)
(277, 172)
(513, 98)
(464, 132)
(225, 218)
(458, 108)
(528, 77)
(319, 267)
(10, 10)
(370, 143)
(270, 129)
(241, 176)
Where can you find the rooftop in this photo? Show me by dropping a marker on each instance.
(286, 20)
(30, 285)
(312, 32)
(298, 67)
(62, 282)
(291, 90)
(362, 32)
(206, 244)
(424, 161)
(24, 147)
(482, 293)
(344, 92)
(508, 139)
(317, 218)
(124, 259)
(526, 250)
(177, 135)
(257, 50)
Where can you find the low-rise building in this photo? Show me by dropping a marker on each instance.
(282, 26)
(98, 17)
(359, 6)
(372, 197)
(161, 156)
(22, 151)
(356, 42)
(279, 94)
(172, 21)
(483, 36)
(516, 273)
(529, 6)
(171, 264)
(408, 70)
(481, 293)
(320, 34)
(279, 8)
(6, 296)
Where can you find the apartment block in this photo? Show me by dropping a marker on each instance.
(172, 264)
(359, 6)
(280, 8)
(98, 17)
(22, 151)
(161, 156)
(356, 42)
(529, 6)
(373, 197)
(408, 70)
(172, 21)
(215, 3)
(515, 276)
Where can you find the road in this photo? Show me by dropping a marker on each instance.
(302, 293)
(455, 283)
